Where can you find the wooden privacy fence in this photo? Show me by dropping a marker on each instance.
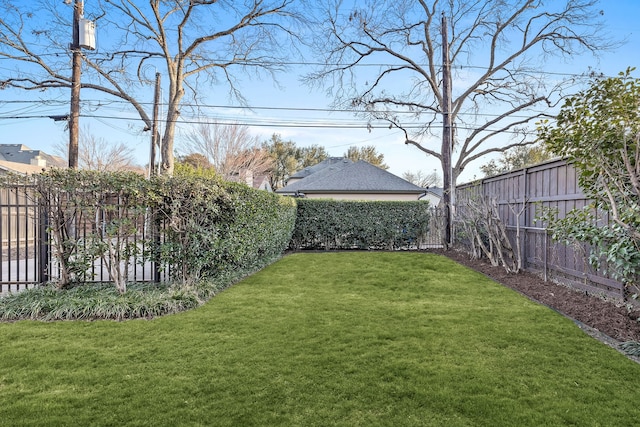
(27, 255)
(520, 196)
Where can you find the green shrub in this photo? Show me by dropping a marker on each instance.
(212, 226)
(194, 225)
(340, 224)
(260, 227)
(90, 215)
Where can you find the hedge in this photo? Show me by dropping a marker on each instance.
(343, 224)
(212, 227)
(195, 226)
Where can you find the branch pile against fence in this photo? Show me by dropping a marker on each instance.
(479, 224)
(520, 197)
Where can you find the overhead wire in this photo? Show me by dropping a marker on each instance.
(309, 122)
(266, 124)
(310, 63)
(88, 103)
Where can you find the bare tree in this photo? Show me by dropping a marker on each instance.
(423, 179)
(96, 153)
(516, 158)
(193, 43)
(498, 50)
(486, 234)
(231, 149)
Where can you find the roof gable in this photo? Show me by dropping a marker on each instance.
(360, 176)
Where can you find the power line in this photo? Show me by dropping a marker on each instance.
(263, 63)
(100, 103)
(267, 124)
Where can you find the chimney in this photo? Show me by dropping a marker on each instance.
(38, 161)
(248, 178)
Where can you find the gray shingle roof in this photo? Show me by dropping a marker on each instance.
(435, 190)
(348, 176)
(331, 161)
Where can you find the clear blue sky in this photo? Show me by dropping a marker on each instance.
(296, 105)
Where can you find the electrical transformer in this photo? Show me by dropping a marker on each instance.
(87, 34)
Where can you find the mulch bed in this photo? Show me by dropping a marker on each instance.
(608, 321)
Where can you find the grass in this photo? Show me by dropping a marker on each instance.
(346, 339)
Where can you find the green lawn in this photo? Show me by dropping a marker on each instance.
(349, 339)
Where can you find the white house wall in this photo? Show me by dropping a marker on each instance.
(364, 196)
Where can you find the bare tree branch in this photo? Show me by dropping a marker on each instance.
(96, 153)
(498, 50)
(230, 149)
(183, 40)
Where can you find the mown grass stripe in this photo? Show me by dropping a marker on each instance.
(357, 338)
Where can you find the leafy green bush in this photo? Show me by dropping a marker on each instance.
(597, 129)
(90, 215)
(190, 211)
(342, 224)
(194, 225)
(212, 226)
(260, 228)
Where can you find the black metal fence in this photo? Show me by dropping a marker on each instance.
(28, 255)
(434, 239)
(23, 251)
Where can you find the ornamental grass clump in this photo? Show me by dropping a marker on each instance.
(103, 301)
(98, 301)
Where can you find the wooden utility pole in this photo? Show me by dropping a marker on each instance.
(447, 137)
(155, 135)
(74, 116)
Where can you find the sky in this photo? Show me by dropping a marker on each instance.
(288, 108)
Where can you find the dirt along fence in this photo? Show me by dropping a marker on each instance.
(520, 197)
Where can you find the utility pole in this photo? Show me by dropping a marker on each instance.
(74, 116)
(447, 137)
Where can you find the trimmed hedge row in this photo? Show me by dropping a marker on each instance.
(195, 226)
(213, 226)
(343, 224)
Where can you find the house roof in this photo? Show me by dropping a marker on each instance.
(20, 153)
(21, 168)
(346, 176)
(261, 182)
(437, 191)
(331, 161)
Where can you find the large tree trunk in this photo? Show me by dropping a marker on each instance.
(166, 166)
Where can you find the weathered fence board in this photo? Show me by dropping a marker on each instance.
(552, 184)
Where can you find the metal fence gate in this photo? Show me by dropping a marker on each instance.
(434, 238)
